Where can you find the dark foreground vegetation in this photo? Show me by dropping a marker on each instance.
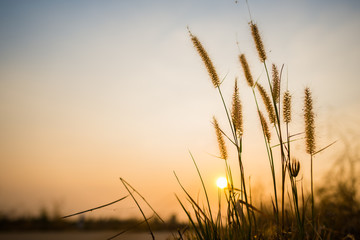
(339, 211)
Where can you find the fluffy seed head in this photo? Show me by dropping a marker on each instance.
(236, 111)
(246, 69)
(309, 118)
(258, 42)
(265, 126)
(220, 139)
(267, 102)
(275, 83)
(207, 61)
(287, 107)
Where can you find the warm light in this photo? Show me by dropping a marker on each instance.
(221, 182)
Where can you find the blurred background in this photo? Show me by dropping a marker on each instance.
(91, 91)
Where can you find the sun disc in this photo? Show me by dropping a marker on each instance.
(221, 182)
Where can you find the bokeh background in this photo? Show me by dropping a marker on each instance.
(91, 91)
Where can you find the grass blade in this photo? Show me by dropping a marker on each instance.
(92, 209)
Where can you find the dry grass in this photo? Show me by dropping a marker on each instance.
(242, 220)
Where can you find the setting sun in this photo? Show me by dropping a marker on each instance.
(221, 182)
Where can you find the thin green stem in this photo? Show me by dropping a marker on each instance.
(240, 162)
(202, 182)
(92, 209)
(278, 131)
(271, 159)
(284, 169)
(227, 114)
(312, 194)
(147, 223)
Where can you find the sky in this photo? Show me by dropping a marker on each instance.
(91, 91)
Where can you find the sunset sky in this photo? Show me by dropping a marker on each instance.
(91, 91)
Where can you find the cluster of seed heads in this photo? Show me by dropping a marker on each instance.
(236, 111)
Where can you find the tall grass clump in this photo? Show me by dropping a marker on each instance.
(292, 212)
(288, 217)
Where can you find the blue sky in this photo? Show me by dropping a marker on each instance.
(95, 90)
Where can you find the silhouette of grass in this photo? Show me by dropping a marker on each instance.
(293, 219)
(243, 220)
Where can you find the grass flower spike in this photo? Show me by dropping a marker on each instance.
(265, 126)
(309, 118)
(236, 113)
(246, 69)
(258, 42)
(220, 139)
(309, 122)
(267, 101)
(275, 83)
(206, 59)
(287, 107)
